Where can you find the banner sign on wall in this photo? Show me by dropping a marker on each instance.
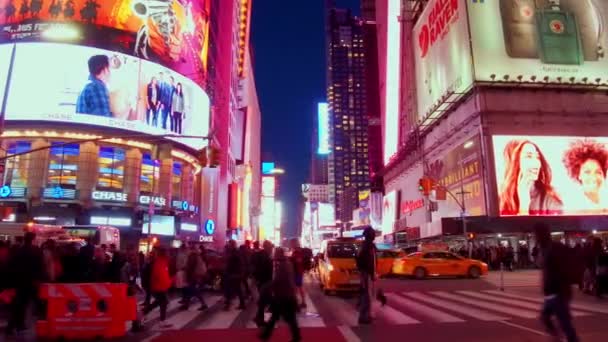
(389, 212)
(543, 175)
(459, 171)
(442, 56)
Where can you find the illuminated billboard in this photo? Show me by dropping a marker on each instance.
(174, 33)
(442, 55)
(392, 80)
(267, 168)
(323, 129)
(127, 93)
(534, 38)
(268, 186)
(551, 175)
(389, 212)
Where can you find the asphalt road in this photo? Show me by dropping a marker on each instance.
(427, 310)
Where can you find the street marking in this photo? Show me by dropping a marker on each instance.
(221, 320)
(578, 306)
(310, 317)
(538, 332)
(467, 311)
(494, 307)
(182, 318)
(348, 334)
(155, 314)
(513, 301)
(344, 312)
(434, 314)
(392, 315)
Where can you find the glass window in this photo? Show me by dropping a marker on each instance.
(342, 250)
(16, 167)
(150, 172)
(177, 180)
(63, 164)
(111, 168)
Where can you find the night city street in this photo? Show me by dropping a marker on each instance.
(304, 170)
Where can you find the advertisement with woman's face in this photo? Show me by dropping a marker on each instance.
(540, 175)
(83, 85)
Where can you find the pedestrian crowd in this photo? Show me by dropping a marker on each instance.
(271, 275)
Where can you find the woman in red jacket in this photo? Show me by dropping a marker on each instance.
(160, 283)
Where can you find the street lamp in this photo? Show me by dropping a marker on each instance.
(276, 171)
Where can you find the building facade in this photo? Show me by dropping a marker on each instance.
(138, 157)
(346, 96)
(471, 120)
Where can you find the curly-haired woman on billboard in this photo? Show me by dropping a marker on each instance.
(527, 189)
(587, 164)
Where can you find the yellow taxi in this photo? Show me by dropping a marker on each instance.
(385, 260)
(337, 265)
(425, 264)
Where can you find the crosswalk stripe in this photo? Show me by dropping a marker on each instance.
(180, 319)
(221, 320)
(467, 311)
(490, 306)
(578, 306)
(343, 311)
(512, 301)
(155, 314)
(392, 315)
(434, 314)
(310, 317)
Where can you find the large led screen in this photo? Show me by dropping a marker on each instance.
(551, 175)
(174, 33)
(130, 93)
(565, 42)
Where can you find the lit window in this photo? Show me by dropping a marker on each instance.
(177, 180)
(63, 164)
(16, 172)
(111, 168)
(150, 171)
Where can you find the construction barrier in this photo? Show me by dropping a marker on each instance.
(85, 311)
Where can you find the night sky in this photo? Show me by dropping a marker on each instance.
(289, 56)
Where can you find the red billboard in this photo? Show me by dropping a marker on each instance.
(174, 33)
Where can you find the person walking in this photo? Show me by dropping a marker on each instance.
(556, 282)
(366, 264)
(160, 283)
(297, 259)
(233, 274)
(262, 266)
(284, 300)
(26, 267)
(196, 269)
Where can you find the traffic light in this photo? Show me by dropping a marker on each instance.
(425, 185)
(214, 156)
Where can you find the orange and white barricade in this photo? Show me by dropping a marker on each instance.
(83, 311)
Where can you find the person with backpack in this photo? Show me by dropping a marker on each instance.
(559, 274)
(196, 269)
(263, 268)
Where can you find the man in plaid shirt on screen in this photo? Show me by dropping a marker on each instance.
(94, 98)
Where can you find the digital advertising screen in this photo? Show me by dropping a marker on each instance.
(551, 175)
(174, 33)
(537, 38)
(130, 93)
(161, 225)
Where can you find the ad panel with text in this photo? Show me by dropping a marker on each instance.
(550, 175)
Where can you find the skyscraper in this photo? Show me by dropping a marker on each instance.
(346, 96)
